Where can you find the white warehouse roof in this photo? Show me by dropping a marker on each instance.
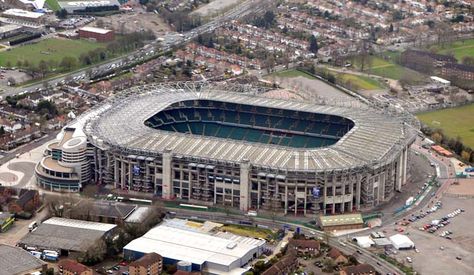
(23, 13)
(400, 241)
(95, 30)
(364, 241)
(181, 244)
(103, 227)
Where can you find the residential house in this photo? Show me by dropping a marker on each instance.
(286, 265)
(337, 256)
(303, 246)
(360, 269)
(149, 264)
(28, 200)
(70, 267)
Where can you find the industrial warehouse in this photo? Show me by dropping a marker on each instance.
(200, 247)
(209, 145)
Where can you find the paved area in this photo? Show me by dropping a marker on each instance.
(19, 171)
(215, 6)
(312, 88)
(8, 177)
(429, 244)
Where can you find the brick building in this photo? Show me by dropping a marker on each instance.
(70, 267)
(286, 265)
(100, 35)
(425, 62)
(459, 71)
(304, 246)
(150, 264)
(360, 269)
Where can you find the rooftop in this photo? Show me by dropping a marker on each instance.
(121, 124)
(198, 248)
(67, 234)
(14, 260)
(341, 220)
(23, 13)
(95, 30)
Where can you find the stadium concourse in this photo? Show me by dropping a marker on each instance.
(212, 144)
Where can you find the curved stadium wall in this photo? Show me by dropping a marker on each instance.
(207, 145)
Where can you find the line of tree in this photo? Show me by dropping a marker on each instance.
(454, 144)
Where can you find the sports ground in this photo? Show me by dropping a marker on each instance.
(459, 49)
(454, 122)
(48, 49)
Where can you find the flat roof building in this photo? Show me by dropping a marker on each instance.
(24, 15)
(67, 235)
(216, 253)
(89, 6)
(341, 222)
(98, 34)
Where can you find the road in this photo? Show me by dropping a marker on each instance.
(7, 156)
(166, 43)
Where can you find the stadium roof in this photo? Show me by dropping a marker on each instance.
(67, 234)
(180, 244)
(15, 260)
(120, 124)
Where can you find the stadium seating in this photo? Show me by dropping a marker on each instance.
(224, 120)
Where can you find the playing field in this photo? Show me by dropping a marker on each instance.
(47, 49)
(53, 4)
(359, 82)
(454, 122)
(388, 69)
(460, 49)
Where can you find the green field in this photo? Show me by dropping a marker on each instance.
(388, 68)
(53, 4)
(459, 49)
(292, 73)
(359, 82)
(47, 50)
(454, 122)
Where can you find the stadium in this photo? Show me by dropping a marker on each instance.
(208, 145)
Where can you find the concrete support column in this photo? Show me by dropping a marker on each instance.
(357, 193)
(122, 173)
(167, 177)
(305, 198)
(286, 199)
(325, 194)
(399, 172)
(351, 188)
(343, 204)
(333, 210)
(244, 185)
(116, 173)
(405, 165)
(382, 185)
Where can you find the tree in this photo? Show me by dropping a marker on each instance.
(313, 44)
(95, 254)
(47, 107)
(436, 137)
(468, 60)
(11, 81)
(43, 68)
(61, 14)
(465, 155)
(100, 23)
(390, 29)
(68, 63)
(329, 265)
(2, 131)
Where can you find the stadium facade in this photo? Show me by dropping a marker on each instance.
(207, 145)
